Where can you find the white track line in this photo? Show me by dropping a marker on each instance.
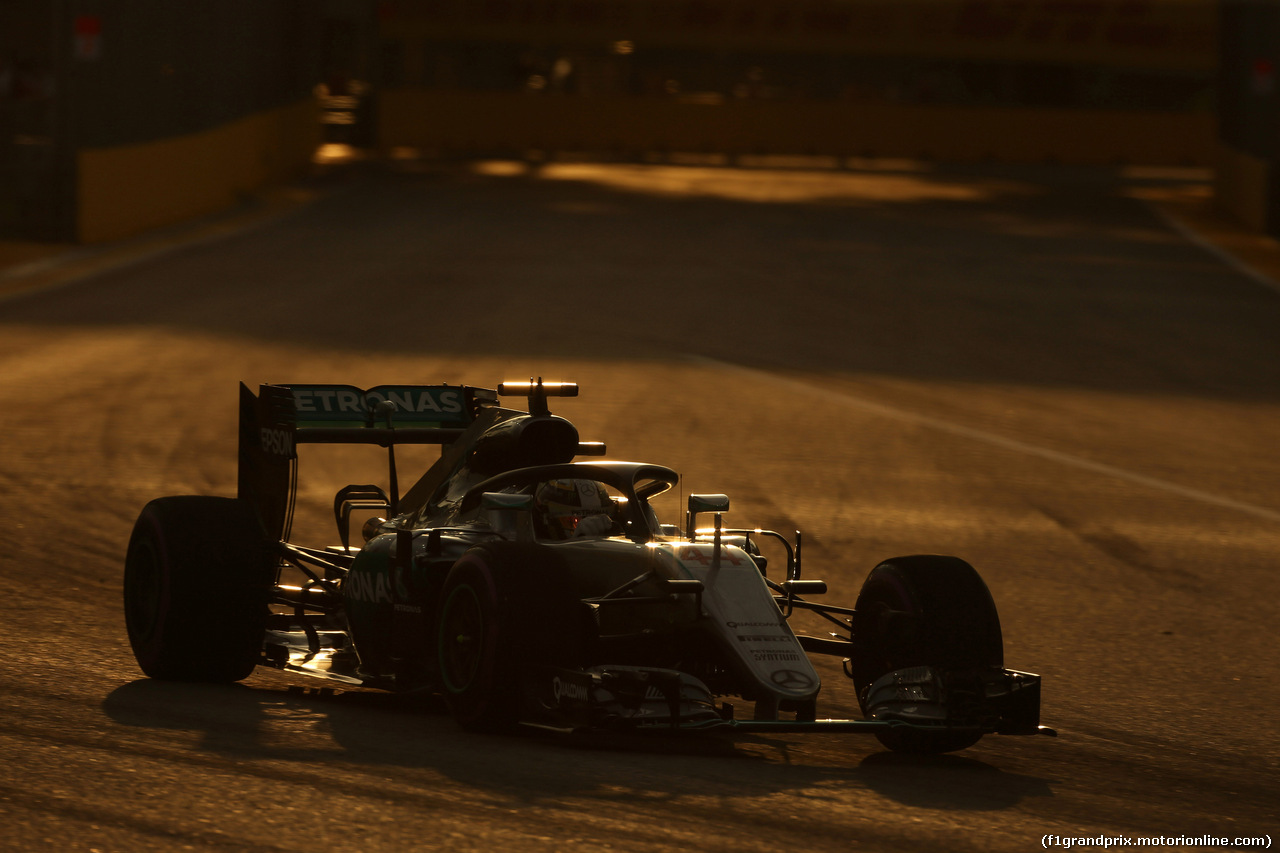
(100, 263)
(1192, 236)
(868, 407)
(118, 256)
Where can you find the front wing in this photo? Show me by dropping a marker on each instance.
(653, 699)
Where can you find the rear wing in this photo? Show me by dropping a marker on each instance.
(280, 417)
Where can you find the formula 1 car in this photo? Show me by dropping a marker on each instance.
(529, 586)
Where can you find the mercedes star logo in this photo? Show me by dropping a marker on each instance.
(790, 679)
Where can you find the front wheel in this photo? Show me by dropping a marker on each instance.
(197, 581)
(506, 610)
(474, 644)
(925, 611)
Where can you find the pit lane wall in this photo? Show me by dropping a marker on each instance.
(174, 110)
(128, 189)
(1075, 82)
(447, 122)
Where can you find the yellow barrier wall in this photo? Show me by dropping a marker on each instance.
(128, 189)
(456, 121)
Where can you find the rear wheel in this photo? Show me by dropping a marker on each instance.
(926, 611)
(197, 580)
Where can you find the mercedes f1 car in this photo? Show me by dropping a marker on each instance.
(531, 582)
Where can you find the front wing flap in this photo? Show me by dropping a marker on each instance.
(992, 700)
(605, 697)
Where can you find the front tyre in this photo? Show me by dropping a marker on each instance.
(197, 580)
(475, 650)
(926, 611)
(506, 610)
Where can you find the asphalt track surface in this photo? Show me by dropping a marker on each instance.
(1032, 371)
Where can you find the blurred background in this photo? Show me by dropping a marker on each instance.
(120, 116)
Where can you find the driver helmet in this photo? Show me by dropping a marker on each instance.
(561, 507)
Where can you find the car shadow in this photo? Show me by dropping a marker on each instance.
(954, 781)
(326, 728)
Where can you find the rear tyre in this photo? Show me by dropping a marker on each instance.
(926, 611)
(504, 611)
(197, 580)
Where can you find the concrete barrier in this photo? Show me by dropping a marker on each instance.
(125, 190)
